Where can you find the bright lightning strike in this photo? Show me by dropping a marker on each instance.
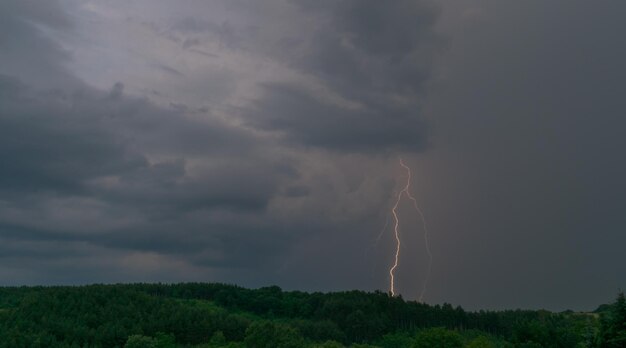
(394, 212)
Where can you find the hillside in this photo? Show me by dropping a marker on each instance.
(219, 315)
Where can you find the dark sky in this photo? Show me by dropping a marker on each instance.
(258, 143)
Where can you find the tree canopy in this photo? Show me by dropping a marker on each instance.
(222, 315)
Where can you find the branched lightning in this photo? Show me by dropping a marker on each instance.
(426, 243)
(395, 228)
(394, 212)
(382, 231)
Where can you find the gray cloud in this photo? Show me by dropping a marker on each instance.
(62, 140)
(47, 145)
(97, 146)
(373, 55)
(224, 32)
(269, 153)
(525, 154)
(302, 119)
(369, 45)
(376, 56)
(108, 171)
(170, 70)
(26, 47)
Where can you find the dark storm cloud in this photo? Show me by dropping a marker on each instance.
(367, 45)
(192, 31)
(531, 150)
(170, 70)
(223, 31)
(375, 55)
(117, 175)
(94, 143)
(104, 170)
(20, 232)
(25, 47)
(297, 191)
(59, 141)
(218, 239)
(95, 146)
(304, 120)
(268, 154)
(14, 248)
(46, 145)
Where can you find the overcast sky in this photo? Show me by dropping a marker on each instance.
(258, 143)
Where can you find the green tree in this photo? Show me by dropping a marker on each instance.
(437, 338)
(164, 340)
(329, 344)
(218, 339)
(481, 342)
(140, 341)
(613, 326)
(528, 345)
(267, 334)
(395, 340)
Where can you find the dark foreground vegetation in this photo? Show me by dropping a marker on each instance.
(218, 315)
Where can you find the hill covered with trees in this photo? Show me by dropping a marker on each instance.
(219, 315)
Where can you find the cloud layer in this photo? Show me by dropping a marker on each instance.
(257, 143)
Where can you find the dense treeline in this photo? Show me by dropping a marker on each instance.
(219, 315)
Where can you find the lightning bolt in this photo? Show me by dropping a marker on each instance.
(394, 212)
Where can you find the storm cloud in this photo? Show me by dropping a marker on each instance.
(258, 143)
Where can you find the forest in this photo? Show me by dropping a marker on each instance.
(221, 315)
